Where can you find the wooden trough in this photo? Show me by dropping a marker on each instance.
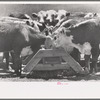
(52, 60)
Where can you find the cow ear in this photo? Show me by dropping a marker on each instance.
(34, 15)
(67, 14)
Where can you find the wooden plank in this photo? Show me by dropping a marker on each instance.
(27, 59)
(40, 54)
(73, 64)
(46, 53)
(51, 67)
(51, 53)
(32, 63)
(51, 60)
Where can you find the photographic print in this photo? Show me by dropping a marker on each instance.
(49, 46)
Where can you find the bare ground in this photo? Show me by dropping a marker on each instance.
(10, 77)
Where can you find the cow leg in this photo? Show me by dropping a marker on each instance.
(95, 55)
(87, 62)
(17, 63)
(12, 59)
(75, 54)
(6, 56)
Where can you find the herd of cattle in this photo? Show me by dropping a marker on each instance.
(78, 33)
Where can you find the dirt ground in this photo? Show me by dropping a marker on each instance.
(10, 77)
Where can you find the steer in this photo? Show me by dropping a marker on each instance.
(66, 24)
(41, 18)
(61, 14)
(51, 18)
(16, 36)
(19, 15)
(90, 15)
(46, 17)
(29, 22)
(84, 36)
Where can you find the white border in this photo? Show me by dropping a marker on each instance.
(49, 90)
(50, 2)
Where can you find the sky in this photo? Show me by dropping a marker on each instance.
(5, 9)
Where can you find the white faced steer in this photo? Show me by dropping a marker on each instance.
(84, 36)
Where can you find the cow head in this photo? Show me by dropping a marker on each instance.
(62, 40)
(61, 14)
(37, 25)
(40, 16)
(50, 19)
(24, 18)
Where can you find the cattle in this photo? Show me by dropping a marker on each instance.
(60, 28)
(90, 15)
(19, 15)
(24, 18)
(51, 18)
(78, 14)
(46, 18)
(66, 23)
(41, 17)
(29, 22)
(84, 36)
(62, 14)
(13, 19)
(16, 36)
(69, 23)
(18, 19)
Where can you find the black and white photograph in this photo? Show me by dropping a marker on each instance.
(51, 44)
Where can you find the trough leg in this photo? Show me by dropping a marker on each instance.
(93, 67)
